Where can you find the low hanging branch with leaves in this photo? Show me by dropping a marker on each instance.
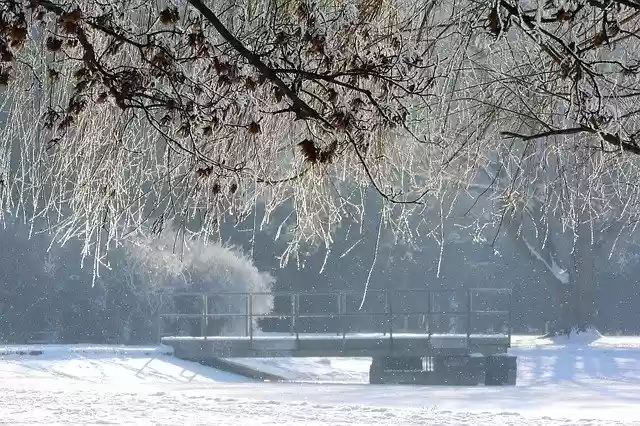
(149, 69)
(138, 112)
(580, 41)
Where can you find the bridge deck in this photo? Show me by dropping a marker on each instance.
(396, 323)
(337, 345)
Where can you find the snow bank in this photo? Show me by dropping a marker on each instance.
(583, 339)
(223, 406)
(88, 350)
(558, 384)
(594, 382)
(318, 370)
(127, 366)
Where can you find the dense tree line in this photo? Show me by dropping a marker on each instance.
(48, 296)
(45, 292)
(48, 291)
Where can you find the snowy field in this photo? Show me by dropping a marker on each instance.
(581, 383)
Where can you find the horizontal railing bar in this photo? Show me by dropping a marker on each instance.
(404, 313)
(327, 315)
(433, 313)
(334, 293)
(197, 316)
(347, 335)
(202, 315)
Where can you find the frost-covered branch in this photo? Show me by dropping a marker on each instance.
(122, 118)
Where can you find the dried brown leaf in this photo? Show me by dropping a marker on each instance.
(254, 128)
(184, 129)
(333, 95)
(277, 92)
(5, 76)
(53, 74)
(327, 154)
(5, 54)
(17, 34)
(563, 15)
(599, 38)
(54, 44)
(309, 150)
(69, 21)
(81, 73)
(251, 84)
(341, 119)
(169, 16)
(204, 172)
(494, 25)
(66, 123)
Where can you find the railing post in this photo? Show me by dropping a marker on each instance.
(204, 323)
(160, 319)
(469, 310)
(247, 313)
(340, 315)
(293, 313)
(297, 311)
(509, 317)
(390, 312)
(345, 317)
(429, 311)
(250, 299)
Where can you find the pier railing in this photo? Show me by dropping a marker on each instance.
(482, 311)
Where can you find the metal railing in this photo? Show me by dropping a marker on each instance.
(393, 303)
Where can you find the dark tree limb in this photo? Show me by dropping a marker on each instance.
(546, 134)
(303, 110)
(613, 139)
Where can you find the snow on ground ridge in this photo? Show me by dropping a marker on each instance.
(91, 350)
(590, 383)
(103, 364)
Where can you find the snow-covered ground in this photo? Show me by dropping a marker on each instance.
(581, 383)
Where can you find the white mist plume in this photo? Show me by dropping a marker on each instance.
(172, 264)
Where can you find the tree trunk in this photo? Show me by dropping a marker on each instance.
(576, 299)
(583, 281)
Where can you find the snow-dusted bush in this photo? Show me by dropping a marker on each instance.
(200, 267)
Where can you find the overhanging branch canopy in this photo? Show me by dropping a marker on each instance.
(147, 114)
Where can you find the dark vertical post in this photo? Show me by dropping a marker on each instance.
(250, 299)
(247, 310)
(204, 323)
(297, 311)
(341, 316)
(429, 311)
(159, 319)
(390, 305)
(468, 315)
(342, 297)
(293, 313)
(509, 318)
